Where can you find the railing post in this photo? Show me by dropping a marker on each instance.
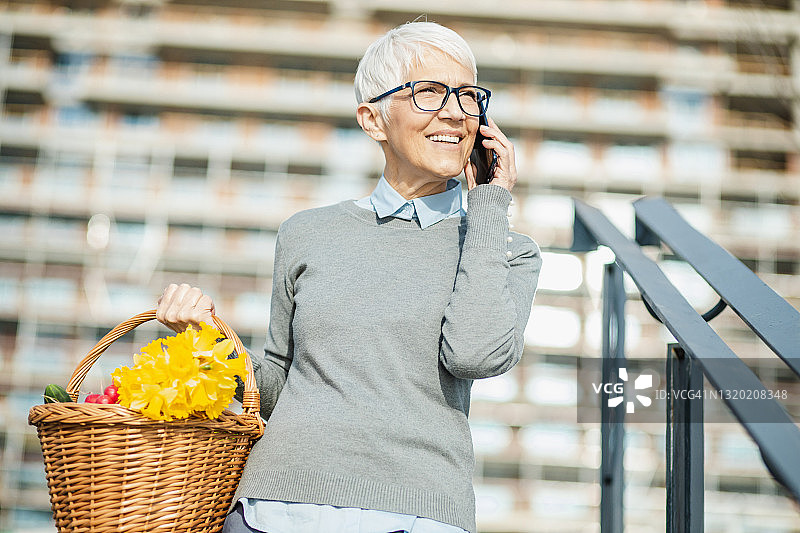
(612, 428)
(684, 440)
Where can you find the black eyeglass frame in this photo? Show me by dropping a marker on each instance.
(450, 90)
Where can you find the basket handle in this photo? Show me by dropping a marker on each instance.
(250, 399)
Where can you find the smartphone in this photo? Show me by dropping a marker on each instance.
(485, 160)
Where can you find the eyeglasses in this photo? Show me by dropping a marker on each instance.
(432, 96)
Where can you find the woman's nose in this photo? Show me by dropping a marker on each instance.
(451, 108)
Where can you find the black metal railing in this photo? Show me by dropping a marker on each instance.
(699, 352)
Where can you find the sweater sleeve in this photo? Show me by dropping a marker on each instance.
(484, 322)
(272, 367)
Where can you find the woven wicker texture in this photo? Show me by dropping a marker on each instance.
(110, 469)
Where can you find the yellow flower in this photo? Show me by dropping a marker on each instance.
(175, 377)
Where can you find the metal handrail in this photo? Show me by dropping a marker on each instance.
(778, 440)
(771, 317)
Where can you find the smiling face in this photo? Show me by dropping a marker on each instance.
(424, 149)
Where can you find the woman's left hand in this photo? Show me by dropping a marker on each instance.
(505, 174)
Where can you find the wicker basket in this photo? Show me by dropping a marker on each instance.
(111, 469)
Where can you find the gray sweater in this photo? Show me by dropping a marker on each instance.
(377, 329)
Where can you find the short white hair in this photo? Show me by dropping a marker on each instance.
(387, 61)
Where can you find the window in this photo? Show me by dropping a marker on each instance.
(490, 437)
(560, 158)
(502, 388)
(553, 326)
(632, 162)
(552, 385)
(688, 110)
(560, 272)
(558, 441)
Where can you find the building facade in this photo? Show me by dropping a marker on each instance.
(144, 142)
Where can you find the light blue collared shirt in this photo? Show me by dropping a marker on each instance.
(289, 517)
(427, 210)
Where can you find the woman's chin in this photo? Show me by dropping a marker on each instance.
(449, 171)
(445, 175)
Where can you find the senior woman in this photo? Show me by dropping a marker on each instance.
(383, 312)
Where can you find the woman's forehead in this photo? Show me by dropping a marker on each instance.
(438, 66)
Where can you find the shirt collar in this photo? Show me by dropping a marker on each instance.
(429, 209)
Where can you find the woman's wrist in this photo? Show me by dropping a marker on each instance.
(490, 194)
(487, 217)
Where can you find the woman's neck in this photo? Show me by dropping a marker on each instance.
(413, 189)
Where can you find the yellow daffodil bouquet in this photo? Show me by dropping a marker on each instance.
(181, 375)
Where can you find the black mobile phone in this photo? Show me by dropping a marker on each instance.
(485, 160)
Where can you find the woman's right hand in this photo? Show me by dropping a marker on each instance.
(183, 305)
(505, 175)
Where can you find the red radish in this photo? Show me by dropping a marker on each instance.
(92, 398)
(103, 399)
(112, 392)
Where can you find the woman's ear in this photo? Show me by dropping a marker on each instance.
(371, 121)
